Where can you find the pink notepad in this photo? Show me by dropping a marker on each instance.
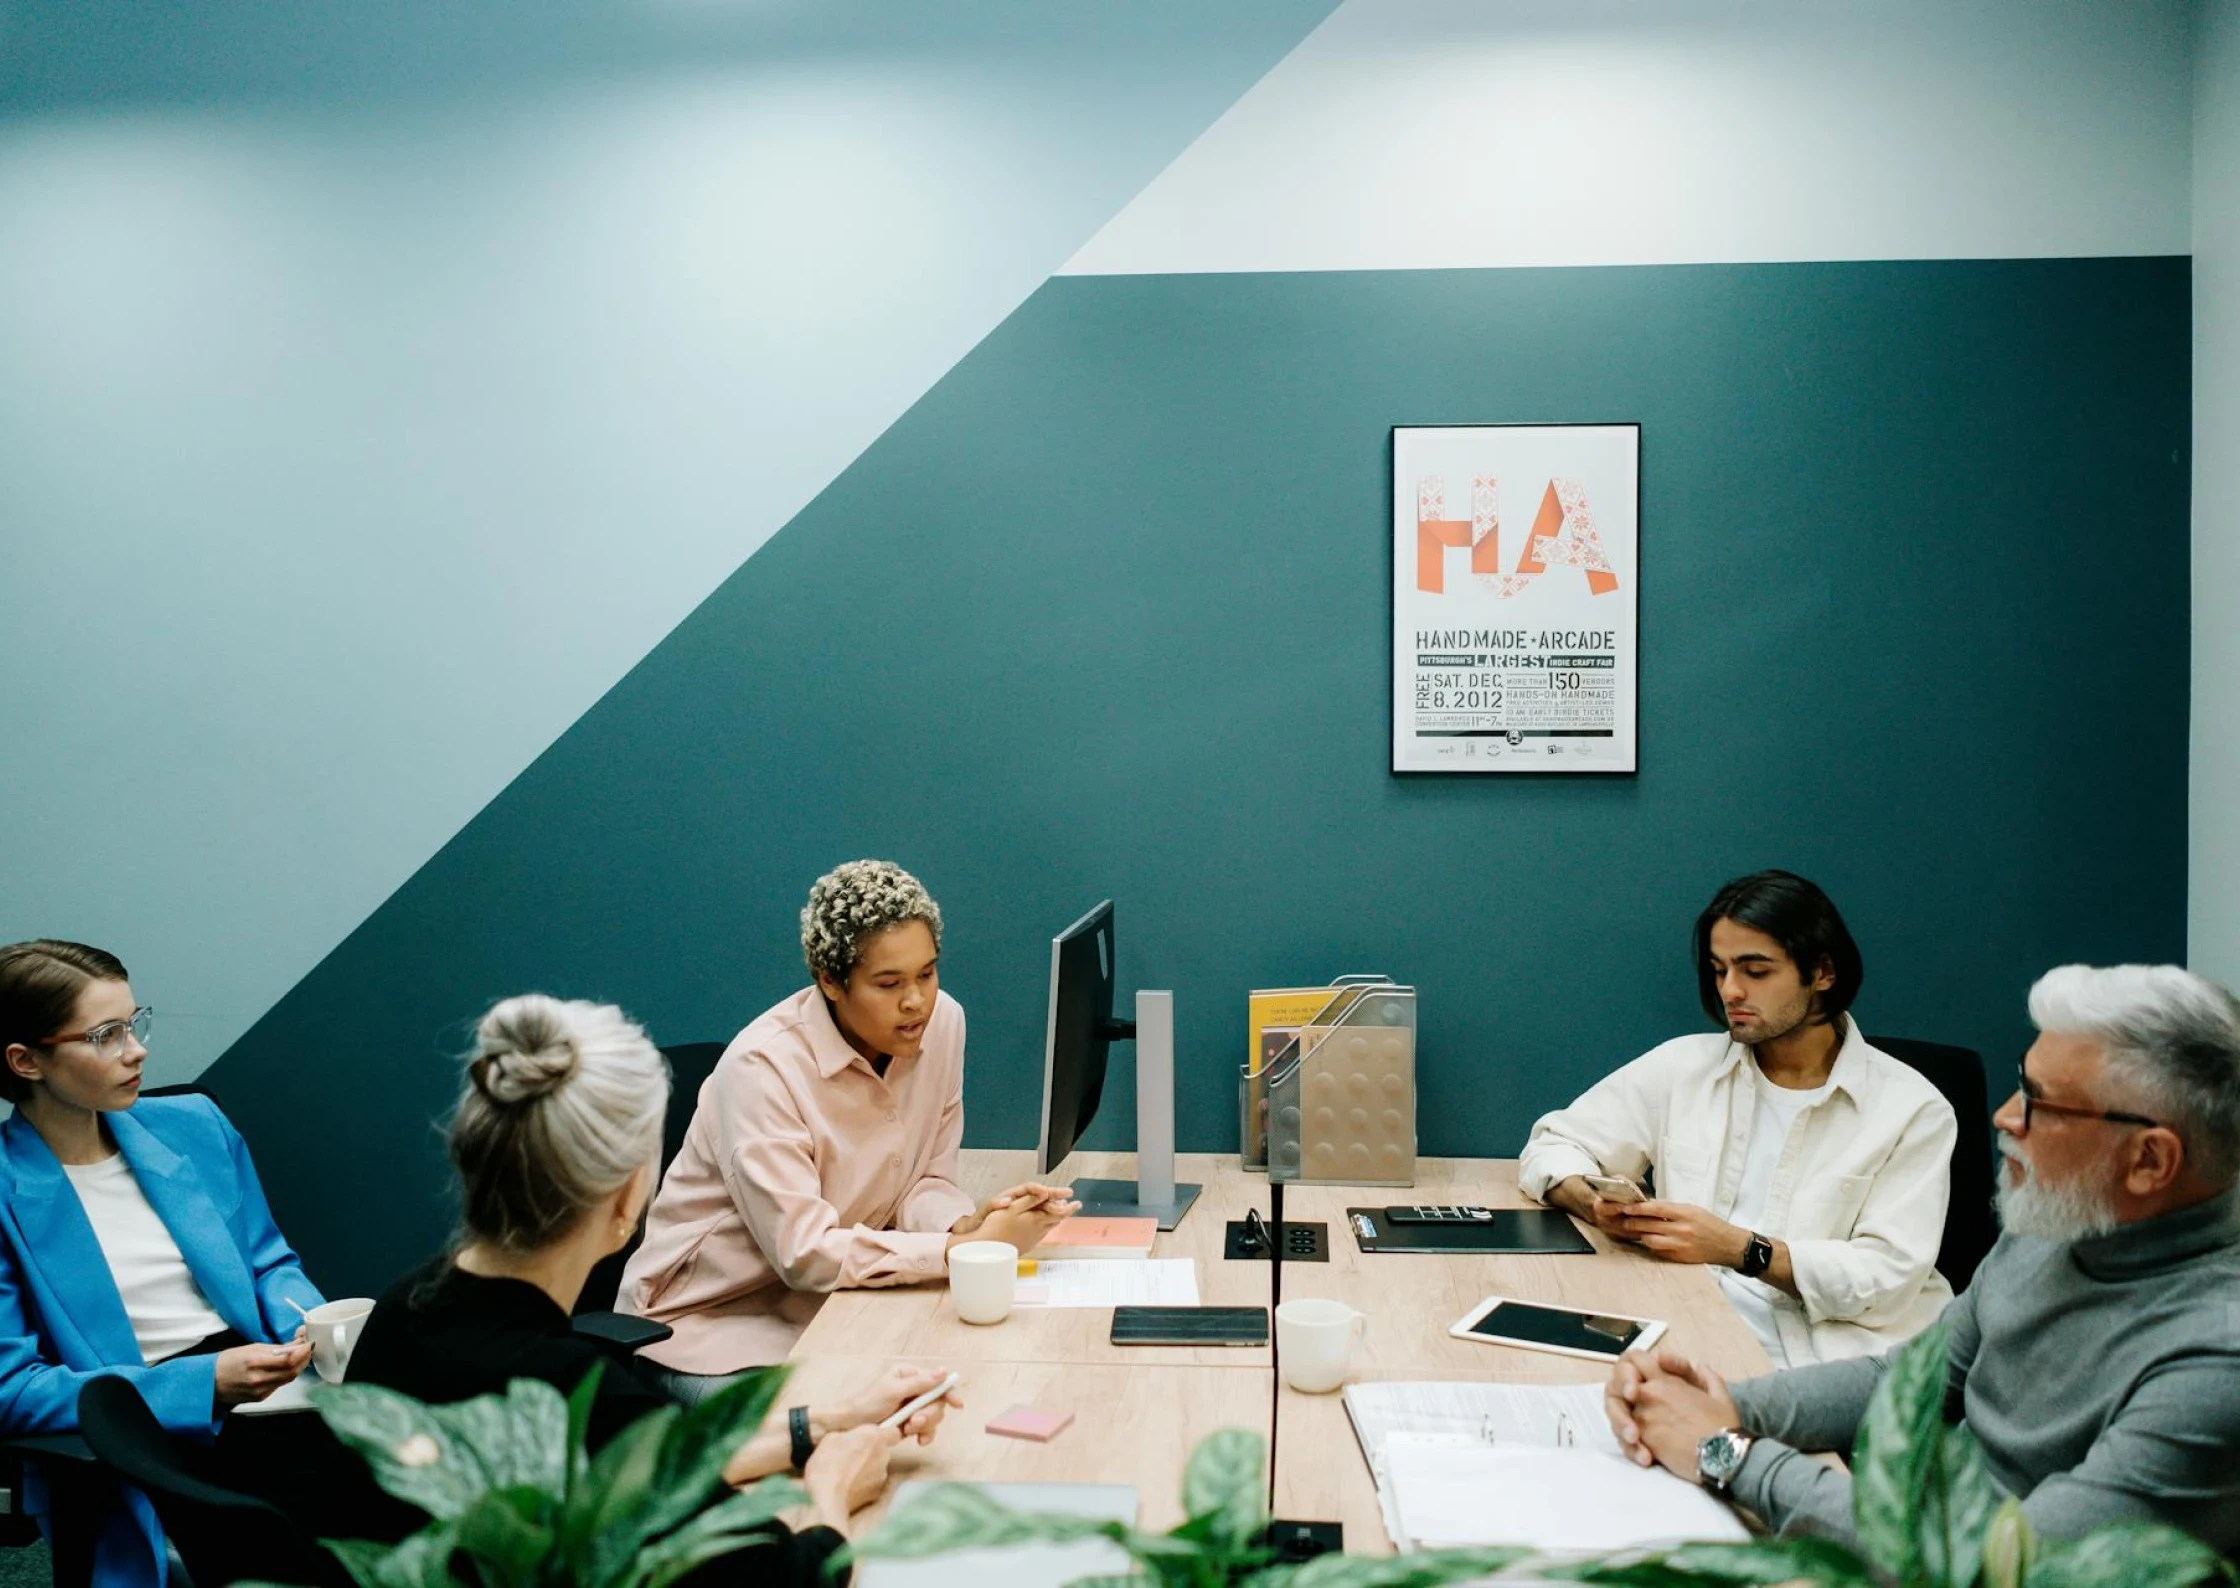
(1027, 1422)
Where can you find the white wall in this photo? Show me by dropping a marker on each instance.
(1425, 133)
(2213, 927)
(351, 445)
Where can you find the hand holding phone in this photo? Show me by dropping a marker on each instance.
(1613, 1188)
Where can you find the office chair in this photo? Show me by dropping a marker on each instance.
(1971, 1222)
(222, 1535)
(690, 1065)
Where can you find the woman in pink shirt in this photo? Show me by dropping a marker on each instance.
(823, 1152)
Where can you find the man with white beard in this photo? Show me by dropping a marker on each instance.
(2096, 1354)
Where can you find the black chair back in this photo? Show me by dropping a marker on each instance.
(690, 1065)
(1971, 1221)
(222, 1534)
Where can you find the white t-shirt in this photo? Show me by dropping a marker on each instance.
(168, 1309)
(1777, 1110)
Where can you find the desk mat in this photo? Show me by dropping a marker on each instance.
(1538, 1232)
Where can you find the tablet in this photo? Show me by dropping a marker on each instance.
(1567, 1331)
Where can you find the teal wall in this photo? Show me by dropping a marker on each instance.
(1106, 613)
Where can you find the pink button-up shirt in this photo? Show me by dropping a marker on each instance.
(803, 1172)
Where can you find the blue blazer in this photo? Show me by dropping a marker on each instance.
(62, 1320)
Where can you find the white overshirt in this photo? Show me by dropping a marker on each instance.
(167, 1308)
(1858, 1191)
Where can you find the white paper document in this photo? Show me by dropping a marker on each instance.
(1445, 1495)
(1091, 1282)
(1482, 1414)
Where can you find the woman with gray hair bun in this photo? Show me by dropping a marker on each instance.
(557, 1142)
(823, 1153)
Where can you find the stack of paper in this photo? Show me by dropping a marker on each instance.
(1462, 1464)
(1153, 1282)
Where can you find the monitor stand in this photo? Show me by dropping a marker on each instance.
(1153, 1194)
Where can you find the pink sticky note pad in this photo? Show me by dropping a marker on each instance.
(1025, 1422)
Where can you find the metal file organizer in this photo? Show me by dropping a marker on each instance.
(1341, 1098)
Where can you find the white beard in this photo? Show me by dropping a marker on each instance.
(2063, 1213)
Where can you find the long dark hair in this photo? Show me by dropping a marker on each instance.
(1798, 916)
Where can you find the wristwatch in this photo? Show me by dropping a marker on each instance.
(797, 1423)
(1719, 1458)
(1757, 1257)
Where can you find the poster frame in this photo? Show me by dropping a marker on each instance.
(1393, 573)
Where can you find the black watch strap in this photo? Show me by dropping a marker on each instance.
(1757, 1257)
(797, 1421)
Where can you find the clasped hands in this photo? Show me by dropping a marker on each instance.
(1661, 1406)
(1022, 1216)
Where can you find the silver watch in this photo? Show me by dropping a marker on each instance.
(1719, 1457)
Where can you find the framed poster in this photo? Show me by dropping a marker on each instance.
(1515, 597)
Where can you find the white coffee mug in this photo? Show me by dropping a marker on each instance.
(983, 1275)
(1314, 1341)
(334, 1327)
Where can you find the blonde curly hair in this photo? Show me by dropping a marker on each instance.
(853, 903)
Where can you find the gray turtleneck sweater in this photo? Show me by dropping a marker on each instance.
(2102, 1379)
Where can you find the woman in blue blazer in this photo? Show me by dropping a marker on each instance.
(134, 1238)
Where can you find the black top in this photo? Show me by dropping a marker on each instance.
(441, 1335)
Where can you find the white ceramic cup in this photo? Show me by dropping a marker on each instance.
(334, 1327)
(1314, 1341)
(983, 1275)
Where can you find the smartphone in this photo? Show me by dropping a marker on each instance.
(1567, 1331)
(1189, 1326)
(1611, 1188)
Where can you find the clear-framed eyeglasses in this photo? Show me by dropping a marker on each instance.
(107, 1038)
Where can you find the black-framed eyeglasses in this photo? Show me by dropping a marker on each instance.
(2034, 1104)
(107, 1038)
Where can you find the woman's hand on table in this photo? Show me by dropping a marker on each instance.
(848, 1472)
(885, 1396)
(1022, 1216)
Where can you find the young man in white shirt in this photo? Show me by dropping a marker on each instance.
(1810, 1169)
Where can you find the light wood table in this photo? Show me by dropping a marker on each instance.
(1410, 1301)
(917, 1321)
(1134, 1423)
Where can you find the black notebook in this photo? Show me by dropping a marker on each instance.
(1521, 1231)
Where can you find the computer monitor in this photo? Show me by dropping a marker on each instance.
(1081, 1031)
(1081, 1034)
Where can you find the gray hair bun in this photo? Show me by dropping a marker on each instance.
(524, 1050)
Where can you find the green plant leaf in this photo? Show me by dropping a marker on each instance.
(1761, 1561)
(1969, 1500)
(411, 1453)
(421, 1561)
(518, 1438)
(1224, 1487)
(688, 1469)
(721, 1528)
(1424, 1570)
(507, 1530)
(2127, 1555)
(1898, 1460)
(604, 1522)
(954, 1516)
(586, 1395)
